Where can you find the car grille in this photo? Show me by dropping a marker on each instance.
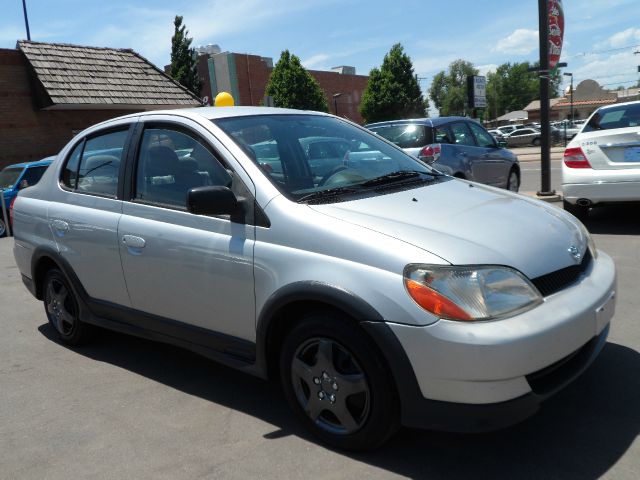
(555, 281)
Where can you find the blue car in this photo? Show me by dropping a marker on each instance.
(457, 146)
(16, 177)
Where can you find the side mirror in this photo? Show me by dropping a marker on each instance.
(212, 201)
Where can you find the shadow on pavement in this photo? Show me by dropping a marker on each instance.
(580, 433)
(623, 219)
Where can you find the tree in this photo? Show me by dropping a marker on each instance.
(449, 89)
(513, 86)
(393, 91)
(184, 65)
(292, 86)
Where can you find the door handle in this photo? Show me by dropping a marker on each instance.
(132, 241)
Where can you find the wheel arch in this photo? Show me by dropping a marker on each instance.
(285, 307)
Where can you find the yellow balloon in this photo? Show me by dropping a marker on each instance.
(224, 99)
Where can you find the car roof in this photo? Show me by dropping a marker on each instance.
(37, 163)
(433, 122)
(212, 113)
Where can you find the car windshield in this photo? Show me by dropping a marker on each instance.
(9, 176)
(306, 156)
(405, 135)
(620, 116)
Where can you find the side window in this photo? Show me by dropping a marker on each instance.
(70, 172)
(32, 176)
(170, 163)
(100, 163)
(462, 134)
(443, 135)
(483, 138)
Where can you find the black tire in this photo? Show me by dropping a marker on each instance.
(536, 142)
(62, 309)
(513, 181)
(578, 211)
(3, 227)
(337, 383)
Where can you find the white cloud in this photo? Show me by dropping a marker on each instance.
(609, 71)
(627, 37)
(315, 60)
(485, 69)
(520, 42)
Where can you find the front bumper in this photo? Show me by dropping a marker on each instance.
(487, 375)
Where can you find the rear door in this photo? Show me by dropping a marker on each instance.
(611, 138)
(468, 153)
(193, 269)
(497, 163)
(86, 210)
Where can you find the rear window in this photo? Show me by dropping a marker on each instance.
(620, 116)
(8, 177)
(405, 136)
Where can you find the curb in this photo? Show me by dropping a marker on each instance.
(545, 198)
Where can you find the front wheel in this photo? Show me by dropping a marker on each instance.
(536, 142)
(336, 383)
(3, 227)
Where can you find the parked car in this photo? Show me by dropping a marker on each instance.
(523, 136)
(15, 177)
(602, 163)
(383, 293)
(497, 134)
(457, 146)
(507, 129)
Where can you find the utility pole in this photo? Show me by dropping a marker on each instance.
(545, 154)
(26, 18)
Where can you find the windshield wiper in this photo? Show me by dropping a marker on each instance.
(331, 192)
(396, 177)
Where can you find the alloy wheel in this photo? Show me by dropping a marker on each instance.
(61, 306)
(330, 386)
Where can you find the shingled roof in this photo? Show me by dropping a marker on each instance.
(72, 76)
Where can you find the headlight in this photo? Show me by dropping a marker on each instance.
(470, 293)
(591, 245)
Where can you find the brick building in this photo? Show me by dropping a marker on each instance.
(245, 77)
(48, 92)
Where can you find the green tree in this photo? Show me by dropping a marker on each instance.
(448, 90)
(292, 86)
(393, 91)
(512, 87)
(184, 64)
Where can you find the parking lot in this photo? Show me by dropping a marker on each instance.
(125, 407)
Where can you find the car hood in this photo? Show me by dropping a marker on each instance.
(467, 223)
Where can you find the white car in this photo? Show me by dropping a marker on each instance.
(602, 163)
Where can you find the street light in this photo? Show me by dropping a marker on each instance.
(571, 87)
(335, 102)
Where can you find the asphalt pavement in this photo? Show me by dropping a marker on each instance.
(129, 408)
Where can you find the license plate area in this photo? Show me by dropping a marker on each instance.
(605, 312)
(631, 154)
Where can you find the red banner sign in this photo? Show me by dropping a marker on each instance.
(556, 31)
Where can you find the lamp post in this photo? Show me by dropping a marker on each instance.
(567, 74)
(335, 102)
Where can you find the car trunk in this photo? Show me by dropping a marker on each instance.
(615, 149)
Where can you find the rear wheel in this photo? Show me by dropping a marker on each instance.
(337, 385)
(3, 227)
(62, 309)
(513, 182)
(579, 211)
(536, 142)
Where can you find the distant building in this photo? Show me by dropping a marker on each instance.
(245, 77)
(52, 91)
(588, 95)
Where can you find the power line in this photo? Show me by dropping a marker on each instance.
(597, 52)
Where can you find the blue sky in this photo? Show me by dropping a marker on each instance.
(601, 36)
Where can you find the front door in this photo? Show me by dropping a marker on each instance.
(193, 269)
